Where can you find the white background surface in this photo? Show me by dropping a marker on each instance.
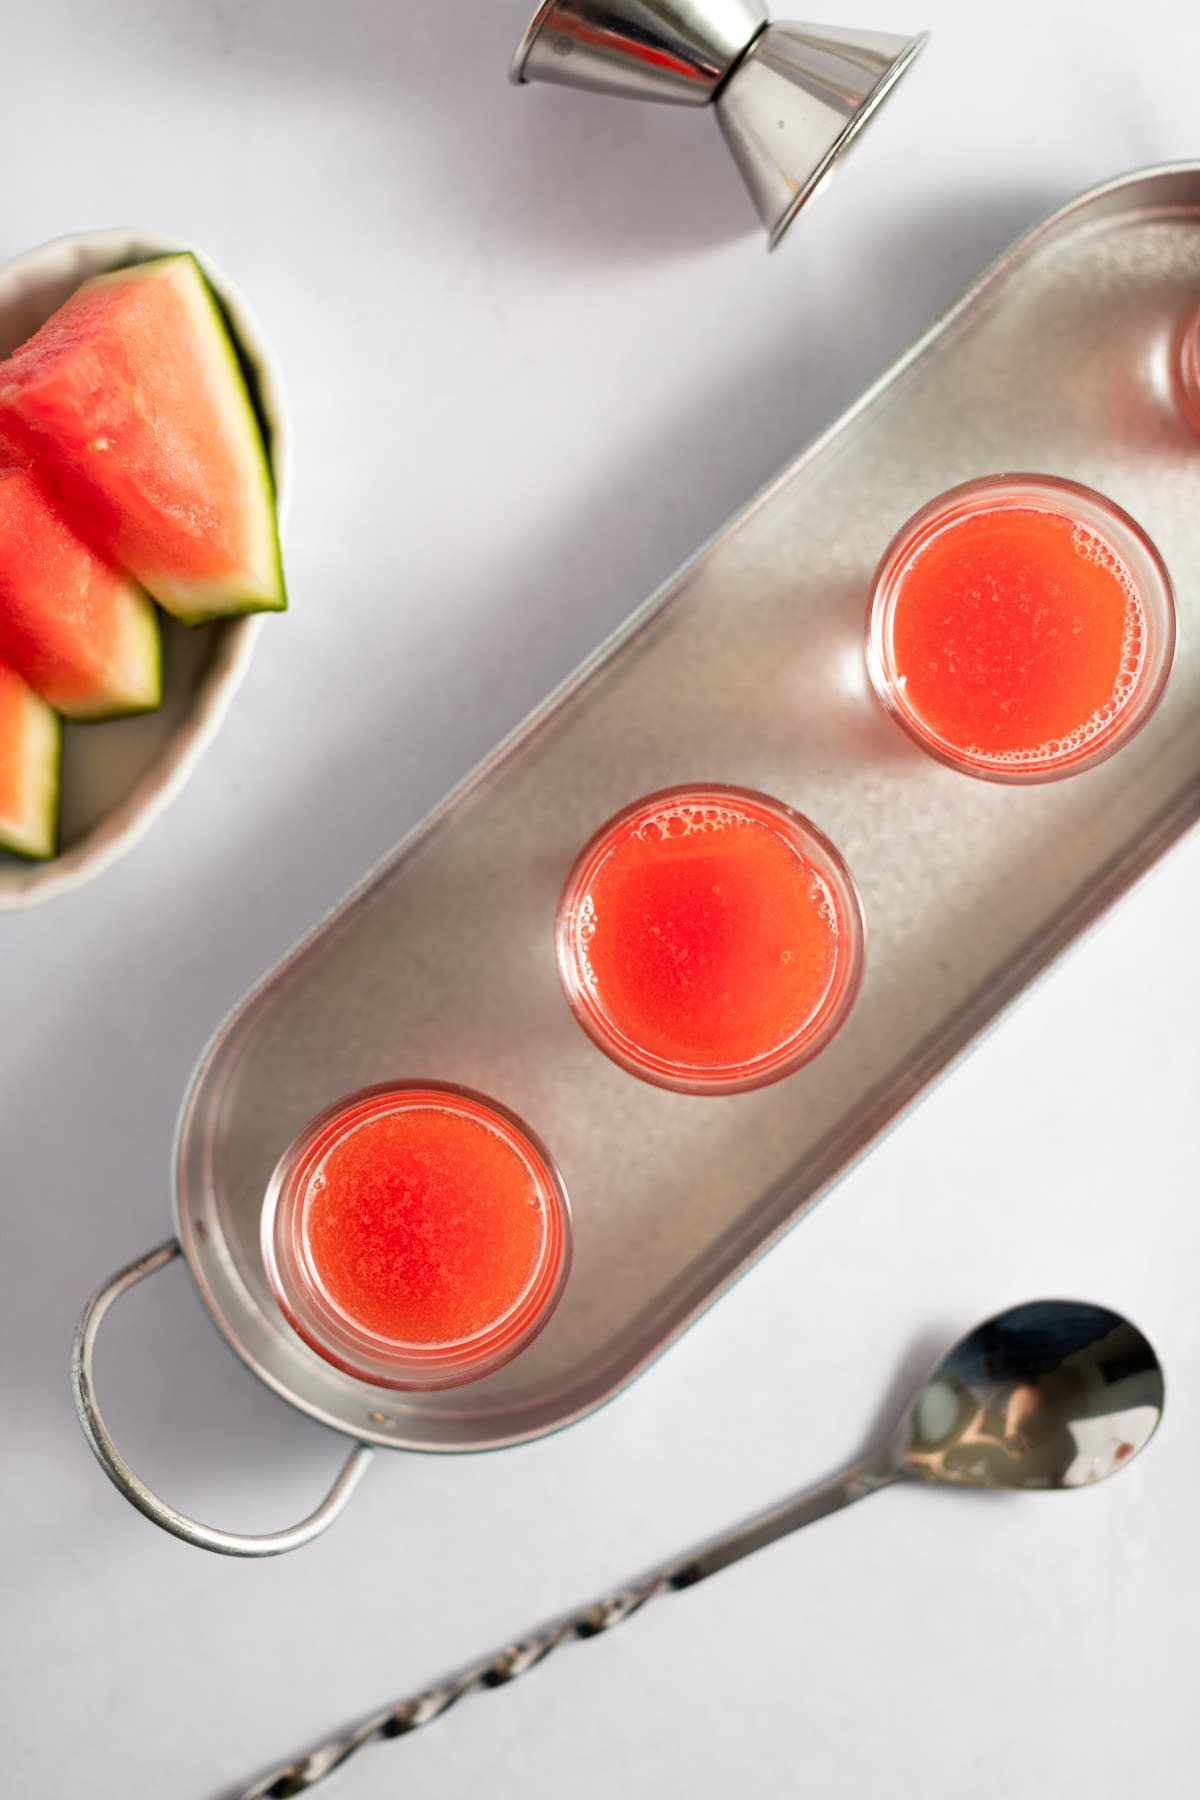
(536, 355)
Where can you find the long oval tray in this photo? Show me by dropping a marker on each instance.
(746, 668)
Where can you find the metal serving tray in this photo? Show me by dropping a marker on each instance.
(746, 668)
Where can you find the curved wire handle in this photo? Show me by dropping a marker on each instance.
(205, 1537)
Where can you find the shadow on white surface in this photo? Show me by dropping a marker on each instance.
(580, 175)
(912, 1370)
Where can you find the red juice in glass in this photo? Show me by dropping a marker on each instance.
(710, 939)
(417, 1236)
(1021, 628)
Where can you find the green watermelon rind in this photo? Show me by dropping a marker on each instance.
(45, 849)
(276, 601)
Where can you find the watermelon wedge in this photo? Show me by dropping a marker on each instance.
(131, 404)
(30, 754)
(82, 635)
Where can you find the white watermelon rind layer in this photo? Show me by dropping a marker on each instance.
(260, 587)
(34, 836)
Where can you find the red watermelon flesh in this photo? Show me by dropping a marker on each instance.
(30, 754)
(81, 634)
(131, 404)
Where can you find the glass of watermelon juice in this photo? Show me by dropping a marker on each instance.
(709, 939)
(1021, 628)
(417, 1235)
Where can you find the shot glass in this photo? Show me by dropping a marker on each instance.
(417, 1235)
(1021, 628)
(710, 939)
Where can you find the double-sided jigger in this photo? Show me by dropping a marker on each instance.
(789, 99)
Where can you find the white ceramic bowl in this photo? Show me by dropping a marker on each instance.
(118, 777)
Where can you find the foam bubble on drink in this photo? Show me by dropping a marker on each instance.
(826, 910)
(1093, 549)
(585, 931)
(687, 819)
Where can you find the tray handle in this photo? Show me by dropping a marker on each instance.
(205, 1537)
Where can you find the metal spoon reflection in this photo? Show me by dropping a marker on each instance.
(1055, 1394)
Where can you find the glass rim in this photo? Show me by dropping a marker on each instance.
(1043, 493)
(368, 1356)
(816, 850)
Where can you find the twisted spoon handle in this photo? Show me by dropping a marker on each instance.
(519, 1658)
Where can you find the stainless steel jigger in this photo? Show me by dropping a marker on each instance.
(789, 98)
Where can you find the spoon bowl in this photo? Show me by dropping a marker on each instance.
(1053, 1394)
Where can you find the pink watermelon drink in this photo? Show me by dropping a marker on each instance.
(30, 753)
(82, 635)
(709, 939)
(131, 404)
(1022, 628)
(417, 1236)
